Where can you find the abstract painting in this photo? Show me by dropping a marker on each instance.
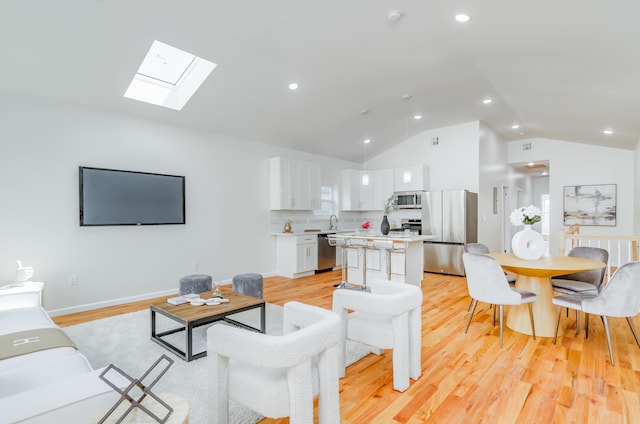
(590, 205)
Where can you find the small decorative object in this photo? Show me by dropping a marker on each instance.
(365, 225)
(216, 292)
(23, 273)
(287, 227)
(384, 226)
(527, 244)
(138, 385)
(390, 206)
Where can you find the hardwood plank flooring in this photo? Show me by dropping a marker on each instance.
(467, 378)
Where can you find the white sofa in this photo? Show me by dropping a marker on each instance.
(46, 386)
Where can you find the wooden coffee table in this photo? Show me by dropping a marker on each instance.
(191, 317)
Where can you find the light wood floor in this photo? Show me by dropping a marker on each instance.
(467, 378)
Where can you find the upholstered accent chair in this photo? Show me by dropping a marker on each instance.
(619, 298)
(277, 376)
(482, 249)
(487, 283)
(387, 317)
(585, 282)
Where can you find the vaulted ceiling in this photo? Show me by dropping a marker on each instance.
(560, 69)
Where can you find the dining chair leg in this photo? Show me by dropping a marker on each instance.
(473, 309)
(470, 305)
(555, 337)
(586, 326)
(605, 321)
(494, 316)
(533, 327)
(577, 321)
(501, 322)
(633, 330)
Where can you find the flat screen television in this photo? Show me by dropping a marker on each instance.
(115, 197)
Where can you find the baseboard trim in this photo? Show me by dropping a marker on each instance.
(122, 300)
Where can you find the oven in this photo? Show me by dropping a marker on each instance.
(414, 225)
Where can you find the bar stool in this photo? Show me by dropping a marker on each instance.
(362, 245)
(387, 246)
(343, 243)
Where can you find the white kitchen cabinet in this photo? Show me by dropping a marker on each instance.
(411, 178)
(293, 184)
(296, 255)
(383, 187)
(366, 190)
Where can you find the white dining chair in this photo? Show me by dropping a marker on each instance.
(619, 298)
(488, 283)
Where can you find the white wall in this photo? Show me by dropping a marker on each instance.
(227, 211)
(636, 191)
(453, 163)
(582, 164)
(492, 173)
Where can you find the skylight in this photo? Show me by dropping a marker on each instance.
(168, 76)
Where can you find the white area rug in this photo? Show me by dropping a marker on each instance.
(125, 340)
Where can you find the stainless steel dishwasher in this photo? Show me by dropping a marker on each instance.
(326, 253)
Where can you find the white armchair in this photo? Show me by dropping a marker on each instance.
(277, 376)
(388, 317)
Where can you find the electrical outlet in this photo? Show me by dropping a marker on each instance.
(73, 280)
(196, 266)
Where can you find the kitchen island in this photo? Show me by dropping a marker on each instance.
(374, 256)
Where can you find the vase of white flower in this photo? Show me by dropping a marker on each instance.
(390, 206)
(527, 244)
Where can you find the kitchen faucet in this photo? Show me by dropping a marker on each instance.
(333, 222)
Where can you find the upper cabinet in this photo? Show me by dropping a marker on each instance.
(366, 190)
(293, 184)
(411, 178)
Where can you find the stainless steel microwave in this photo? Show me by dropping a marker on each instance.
(409, 199)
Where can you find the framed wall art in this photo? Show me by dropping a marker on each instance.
(590, 205)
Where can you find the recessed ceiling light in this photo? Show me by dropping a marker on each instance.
(515, 126)
(608, 132)
(407, 96)
(168, 76)
(487, 101)
(522, 133)
(367, 141)
(293, 86)
(545, 173)
(463, 17)
(530, 164)
(417, 117)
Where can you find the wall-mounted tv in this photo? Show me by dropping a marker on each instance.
(115, 197)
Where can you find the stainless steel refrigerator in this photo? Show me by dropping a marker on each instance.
(451, 216)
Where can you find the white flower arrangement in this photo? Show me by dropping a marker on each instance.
(390, 205)
(526, 215)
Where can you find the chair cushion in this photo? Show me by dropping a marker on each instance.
(247, 385)
(572, 286)
(573, 301)
(374, 330)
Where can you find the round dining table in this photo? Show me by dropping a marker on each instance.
(535, 276)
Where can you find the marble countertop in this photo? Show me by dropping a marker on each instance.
(378, 236)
